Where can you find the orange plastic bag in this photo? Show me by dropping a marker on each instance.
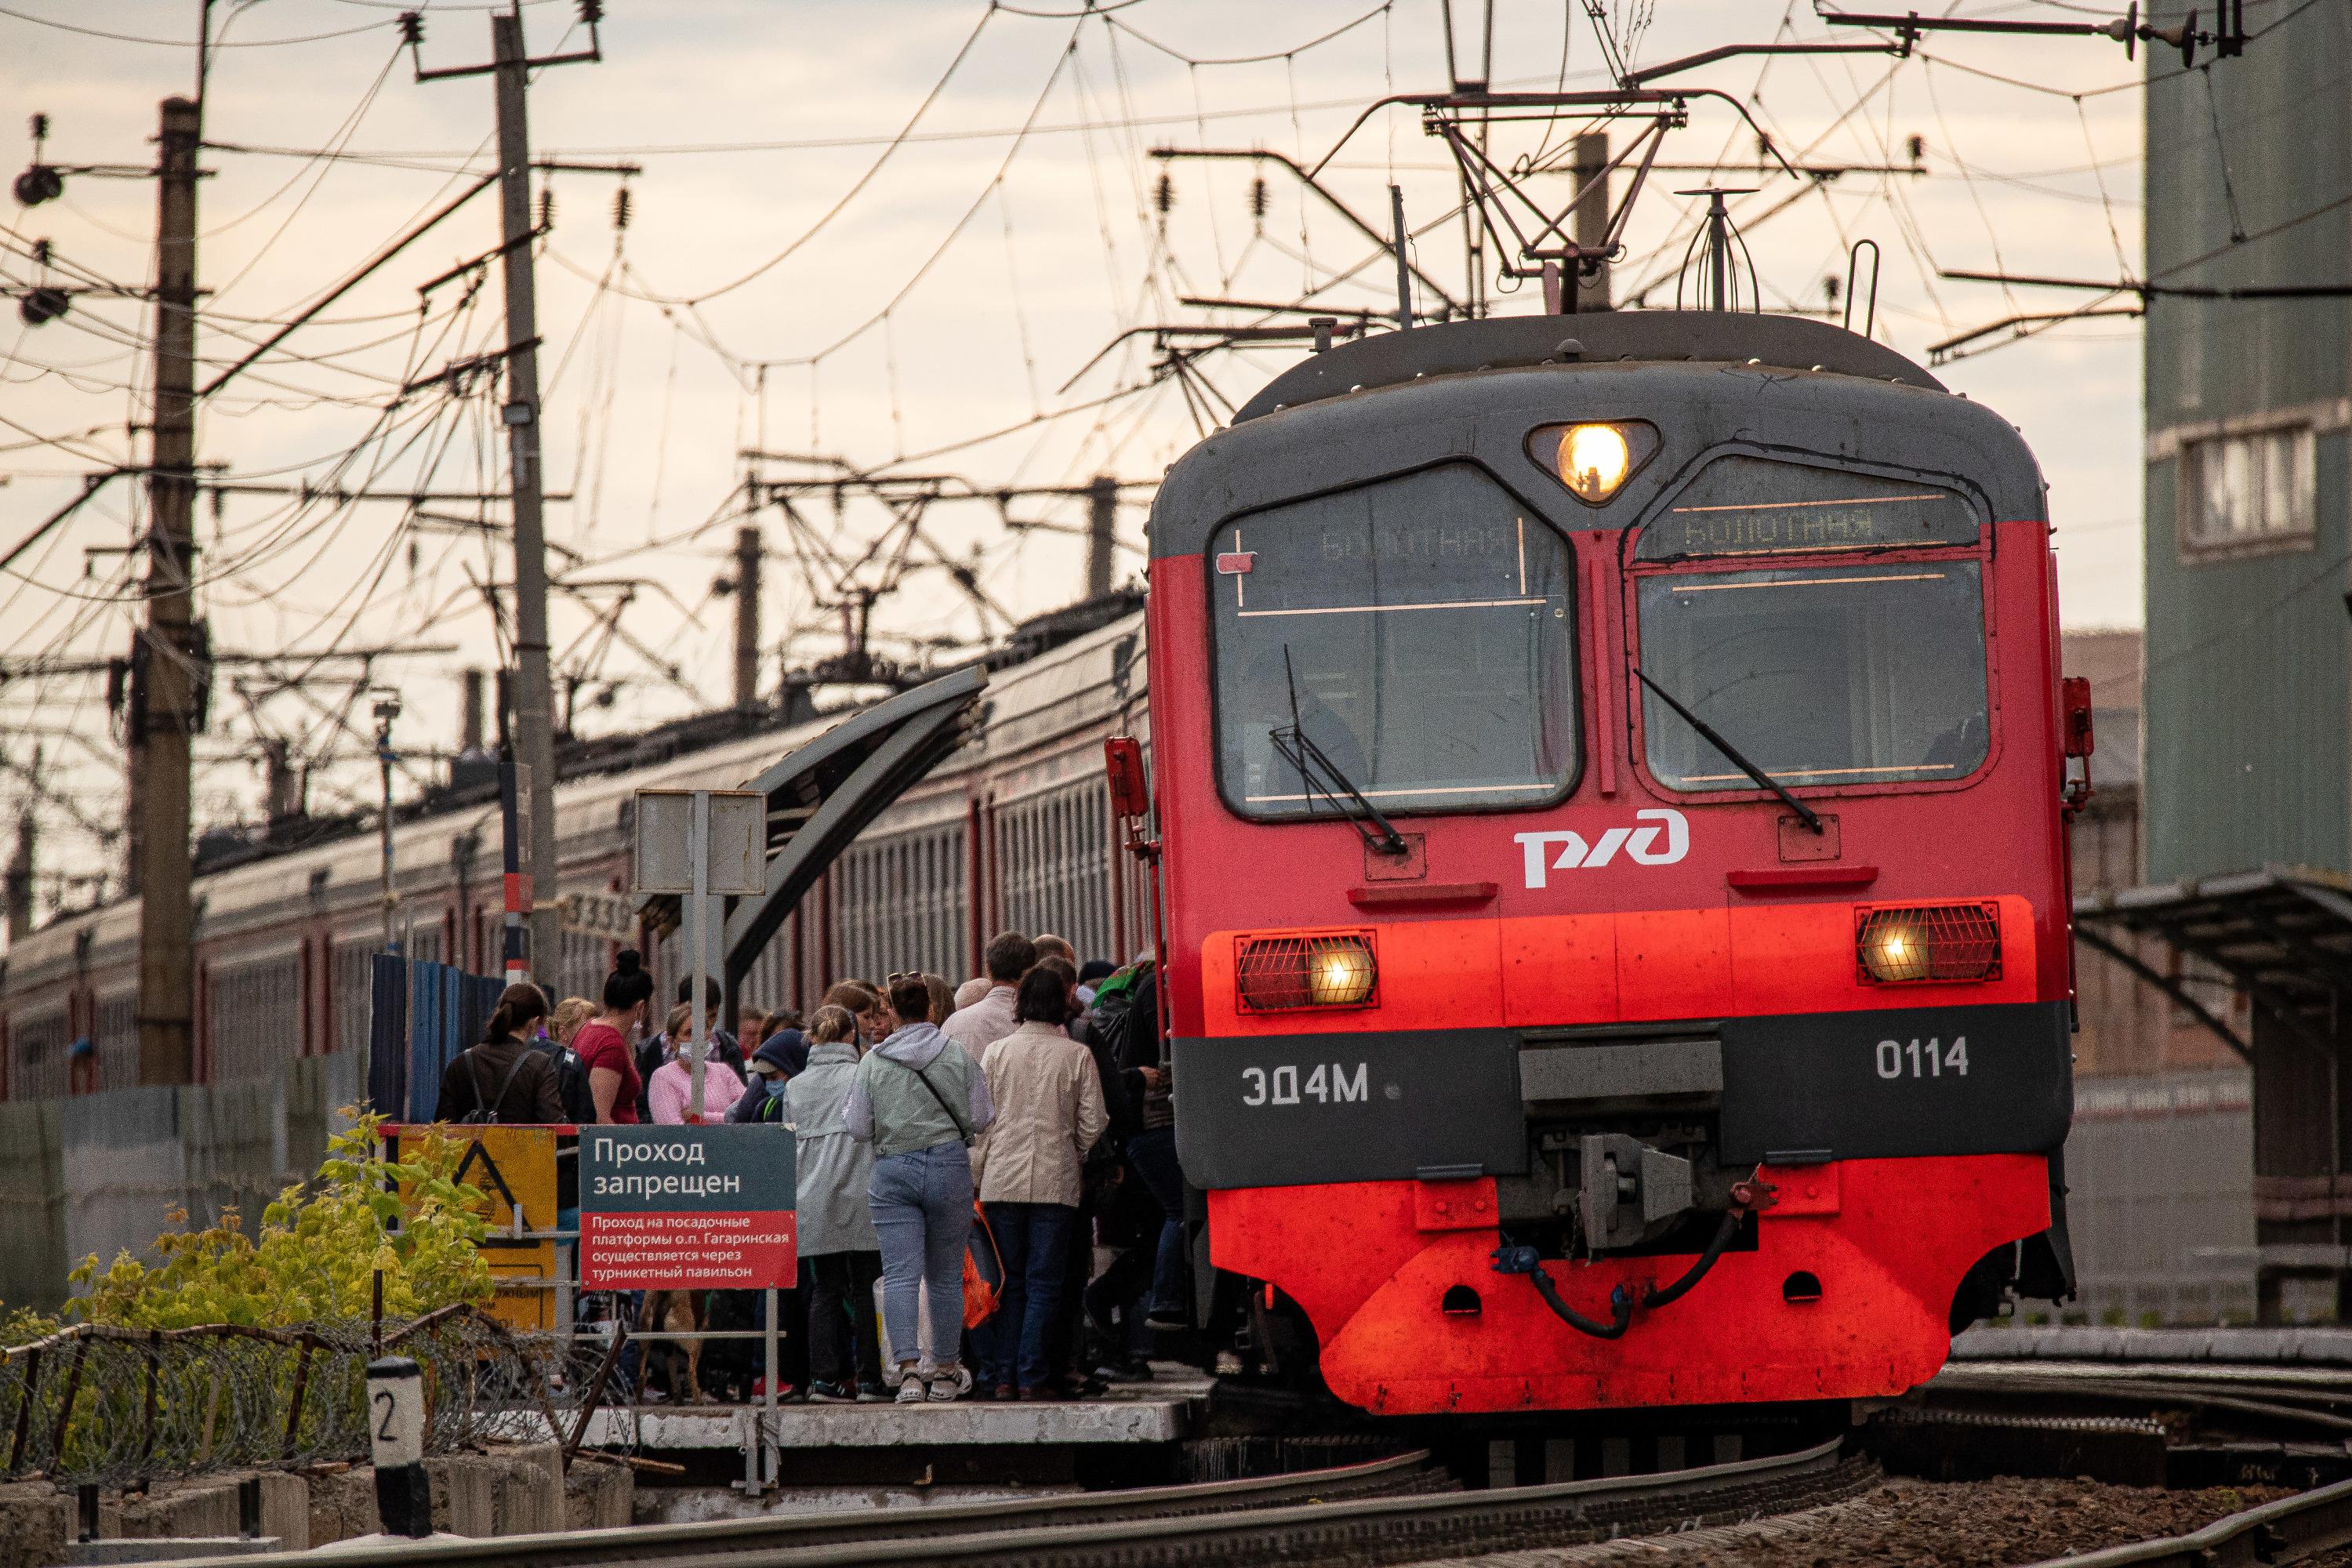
(983, 1272)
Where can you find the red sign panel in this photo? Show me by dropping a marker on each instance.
(735, 1250)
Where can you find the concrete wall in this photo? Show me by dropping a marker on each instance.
(97, 1174)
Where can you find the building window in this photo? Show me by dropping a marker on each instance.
(2249, 492)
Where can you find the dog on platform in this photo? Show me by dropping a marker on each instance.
(674, 1364)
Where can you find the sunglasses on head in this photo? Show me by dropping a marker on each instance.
(907, 974)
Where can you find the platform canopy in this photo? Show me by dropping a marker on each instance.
(822, 793)
(2283, 935)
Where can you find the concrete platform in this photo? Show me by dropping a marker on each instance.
(1164, 1415)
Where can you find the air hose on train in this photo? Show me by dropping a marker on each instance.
(1523, 1260)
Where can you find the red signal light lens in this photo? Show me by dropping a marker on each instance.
(1922, 943)
(1281, 974)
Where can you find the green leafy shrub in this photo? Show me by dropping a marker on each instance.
(319, 1245)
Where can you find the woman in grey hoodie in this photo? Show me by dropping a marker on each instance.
(920, 1101)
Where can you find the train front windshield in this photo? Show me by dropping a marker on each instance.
(1418, 631)
(1851, 669)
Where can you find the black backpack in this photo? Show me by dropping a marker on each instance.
(570, 1083)
(485, 1110)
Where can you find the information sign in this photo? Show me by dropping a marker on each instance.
(688, 1208)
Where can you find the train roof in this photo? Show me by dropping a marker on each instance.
(1708, 382)
(1505, 343)
(1093, 673)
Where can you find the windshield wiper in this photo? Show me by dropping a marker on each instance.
(1812, 818)
(1300, 750)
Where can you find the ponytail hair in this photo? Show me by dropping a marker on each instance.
(628, 985)
(519, 1006)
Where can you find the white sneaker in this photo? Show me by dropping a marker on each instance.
(950, 1385)
(910, 1389)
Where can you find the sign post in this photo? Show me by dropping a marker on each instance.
(704, 843)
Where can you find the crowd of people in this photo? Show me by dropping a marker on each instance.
(1017, 1127)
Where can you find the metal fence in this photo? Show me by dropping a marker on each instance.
(116, 1405)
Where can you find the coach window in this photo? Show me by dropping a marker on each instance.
(1417, 630)
(1829, 623)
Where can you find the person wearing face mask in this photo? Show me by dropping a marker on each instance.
(773, 1064)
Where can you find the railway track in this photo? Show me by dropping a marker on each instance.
(2182, 1427)
(1388, 1511)
(2281, 1532)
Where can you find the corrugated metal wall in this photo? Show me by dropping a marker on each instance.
(2161, 1209)
(2247, 685)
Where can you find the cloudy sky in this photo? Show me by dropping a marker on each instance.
(895, 236)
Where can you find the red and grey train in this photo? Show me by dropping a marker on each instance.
(1616, 876)
(1609, 785)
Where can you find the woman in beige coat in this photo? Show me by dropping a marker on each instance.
(1049, 1112)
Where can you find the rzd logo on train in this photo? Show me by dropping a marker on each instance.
(1639, 845)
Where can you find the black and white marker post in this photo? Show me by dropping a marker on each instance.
(403, 1494)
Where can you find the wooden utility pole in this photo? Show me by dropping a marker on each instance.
(746, 620)
(534, 687)
(1102, 533)
(170, 658)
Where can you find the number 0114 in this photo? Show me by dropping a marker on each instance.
(1923, 1059)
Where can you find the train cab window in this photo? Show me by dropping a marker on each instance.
(1855, 668)
(1418, 631)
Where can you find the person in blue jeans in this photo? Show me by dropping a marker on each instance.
(1050, 1111)
(920, 1101)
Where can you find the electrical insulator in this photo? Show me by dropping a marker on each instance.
(591, 11)
(621, 207)
(42, 305)
(40, 253)
(547, 207)
(1259, 199)
(1918, 148)
(412, 27)
(1163, 196)
(1830, 284)
(39, 184)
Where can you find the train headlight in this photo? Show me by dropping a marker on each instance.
(1278, 973)
(1594, 460)
(1926, 942)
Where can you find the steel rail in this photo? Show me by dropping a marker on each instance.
(2277, 1531)
(1360, 1531)
(725, 1538)
(2196, 1395)
(1292, 1519)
